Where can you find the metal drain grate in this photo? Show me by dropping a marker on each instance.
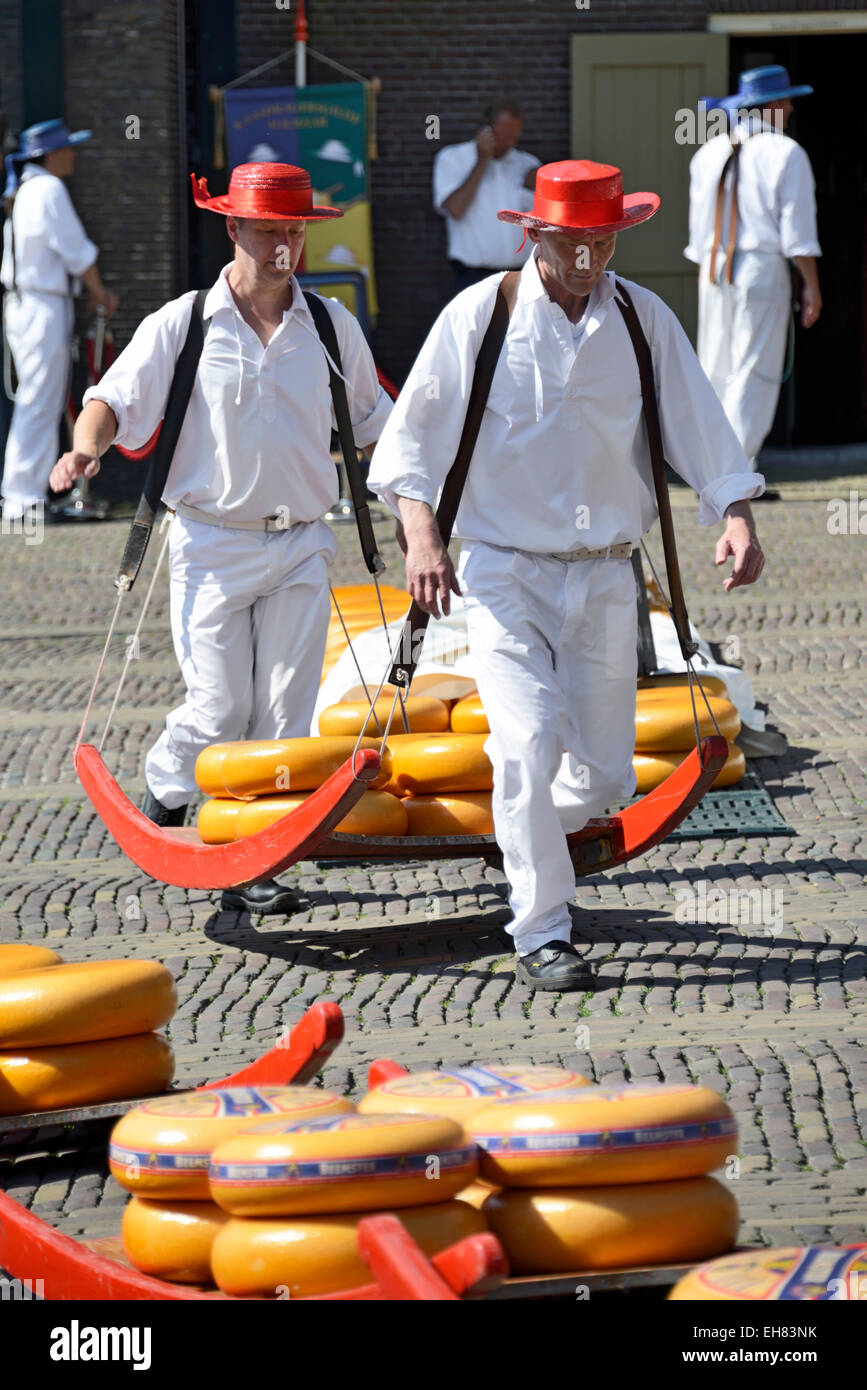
(743, 810)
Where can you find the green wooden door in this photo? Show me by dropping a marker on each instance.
(626, 92)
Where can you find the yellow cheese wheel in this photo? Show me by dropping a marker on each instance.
(468, 716)
(171, 1240)
(566, 1229)
(306, 1255)
(650, 687)
(443, 687)
(460, 813)
(162, 1148)
(258, 768)
(441, 763)
(425, 715)
(641, 1133)
(477, 1194)
(15, 958)
(667, 724)
(84, 1002)
(462, 1092)
(799, 1273)
(653, 768)
(341, 1163)
(365, 595)
(54, 1078)
(222, 820)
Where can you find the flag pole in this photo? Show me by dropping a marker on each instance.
(301, 45)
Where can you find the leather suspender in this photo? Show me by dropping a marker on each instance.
(412, 635)
(733, 163)
(657, 459)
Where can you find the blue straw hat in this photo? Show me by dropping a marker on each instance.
(46, 136)
(760, 85)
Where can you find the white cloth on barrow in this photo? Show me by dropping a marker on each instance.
(561, 461)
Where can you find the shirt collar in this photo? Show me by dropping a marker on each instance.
(33, 171)
(219, 296)
(531, 287)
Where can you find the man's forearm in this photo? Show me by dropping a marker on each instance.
(809, 270)
(742, 510)
(457, 203)
(417, 517)
(95, 428)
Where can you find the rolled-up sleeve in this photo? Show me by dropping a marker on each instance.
(451, 167)
(369, 405)
(136, 385)
(797, 209)
(65, 234)
(699, 442)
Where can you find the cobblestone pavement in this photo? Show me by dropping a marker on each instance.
(415, 953)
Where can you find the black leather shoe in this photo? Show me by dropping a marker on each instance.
(160, 814)
(555, 966)
(269, 896)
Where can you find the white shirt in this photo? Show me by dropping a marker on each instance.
(256, 436)
(479, 238)
(51, 246)
(776, 196)
(562, 457)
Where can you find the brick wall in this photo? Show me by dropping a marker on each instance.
(10, 57)
(448, 57)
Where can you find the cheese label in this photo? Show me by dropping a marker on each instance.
(816, 1273)
(497, 1082)
(241, 1102)
(567, 1143)
(339, 1169)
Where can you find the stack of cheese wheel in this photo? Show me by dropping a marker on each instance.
(800, 1273)
(603, 1178)
(359, 608)
(80, 1033)
(296, 1193)
(665, 728)
(160, 1152)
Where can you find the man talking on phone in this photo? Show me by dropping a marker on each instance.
(470, 183)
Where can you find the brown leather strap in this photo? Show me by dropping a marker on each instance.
(657, 459)
(412, 637)
(731, 163)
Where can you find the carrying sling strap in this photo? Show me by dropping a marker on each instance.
(328, 336)
(731, 163)
(641, 346)
(412, 636)
(161, 459)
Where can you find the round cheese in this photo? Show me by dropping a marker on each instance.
(468, 716)
(163, 1148)
(440, 686)
(425, 715)
(463, 1092)
(653, 768)
(667, 724)
(260, 767)
(15, 958)
(342, 1163)
(441, 763)
(801, 1273)
(84, 1002)
(54, 1078)
(477, 1193)
(566, 1229)
(457, 813)
(651, 687)
(222, 821)
(308, 1255)
(603, 1135)
(171, 1240)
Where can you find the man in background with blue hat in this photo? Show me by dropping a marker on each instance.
(752, 210)
(46, 253)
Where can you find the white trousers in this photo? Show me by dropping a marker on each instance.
(742, 331)
(249, 613)
(554, 647)
(38, 329)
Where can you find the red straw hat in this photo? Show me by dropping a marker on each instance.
(279, 191)
(580, 195)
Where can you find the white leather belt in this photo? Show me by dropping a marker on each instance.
(607, 552)
(268, 523)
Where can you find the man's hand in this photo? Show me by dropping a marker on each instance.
(486, 142)
(739, 539)
(811, 305)
(107, 298)
(430, 574)
(71, 466)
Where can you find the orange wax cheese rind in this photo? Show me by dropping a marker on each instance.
(455, 813)
(171, 1240)
(561, 1229)
(460, 1093)
(424, 713)
(17, 957)
(162, 1148)
(442, 763)
(667, 724)
(601, 1135)
(258, 768)
(304, 1256)
(84, 1002)
(55, 1078)
(652, 687)
(652, 768)
(468, 716)
(222, 821)
(439, 685)
(800, 1273)
(341, 1163)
